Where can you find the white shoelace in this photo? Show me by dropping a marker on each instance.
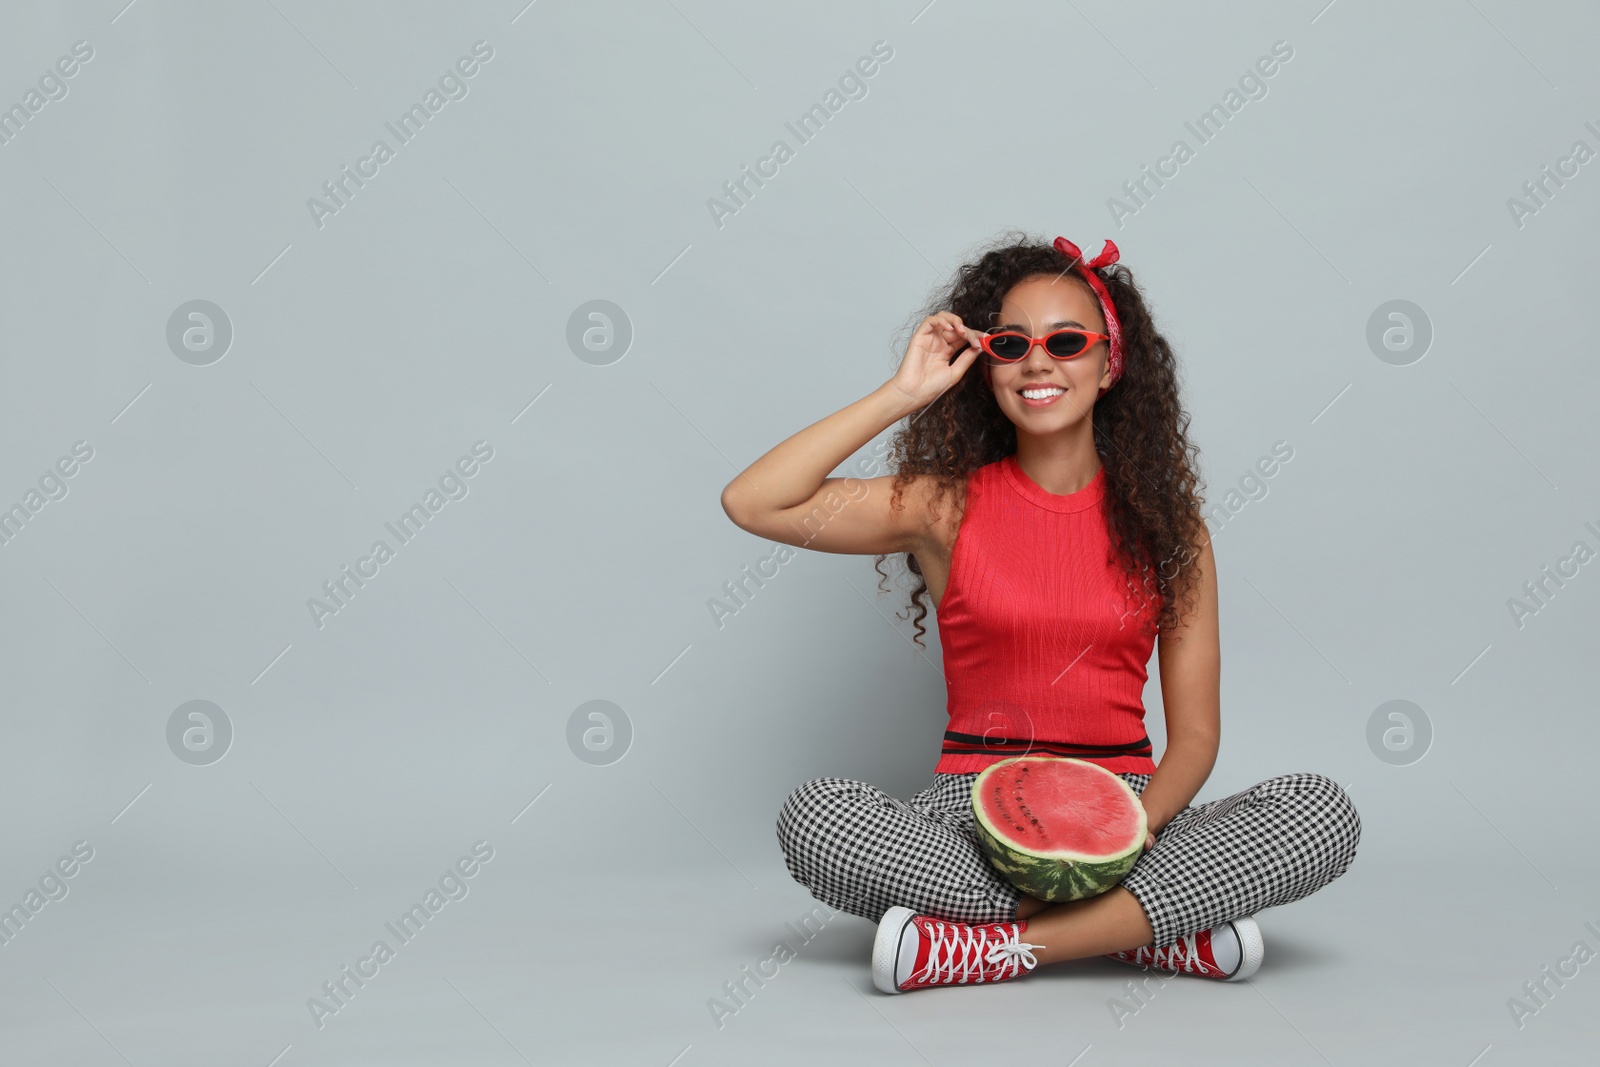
(1183, 954)
(961, 947)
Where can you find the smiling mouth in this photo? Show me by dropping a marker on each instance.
(1039, 396)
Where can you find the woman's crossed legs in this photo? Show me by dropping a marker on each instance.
(860, 850)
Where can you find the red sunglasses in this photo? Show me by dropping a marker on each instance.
(1011, 346)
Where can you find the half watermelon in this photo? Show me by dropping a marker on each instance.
(1057, 828)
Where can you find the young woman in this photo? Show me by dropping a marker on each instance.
(1076, 544)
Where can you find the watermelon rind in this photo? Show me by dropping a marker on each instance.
(1056, 876)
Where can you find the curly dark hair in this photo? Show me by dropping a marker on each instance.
(1153, 501)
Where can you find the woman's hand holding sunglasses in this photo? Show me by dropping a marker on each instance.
(941, 350)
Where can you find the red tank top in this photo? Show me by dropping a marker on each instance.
(1043, 651)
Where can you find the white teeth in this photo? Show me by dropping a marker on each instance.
(1040, 394)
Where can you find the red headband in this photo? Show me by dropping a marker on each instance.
(1108, 255)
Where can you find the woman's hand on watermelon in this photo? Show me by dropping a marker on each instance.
(1151, 829)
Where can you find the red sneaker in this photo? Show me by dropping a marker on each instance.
(1231, 951)
(915, 951)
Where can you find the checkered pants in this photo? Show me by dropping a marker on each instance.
(860, 850)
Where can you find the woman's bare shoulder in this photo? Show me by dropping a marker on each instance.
(937, 502)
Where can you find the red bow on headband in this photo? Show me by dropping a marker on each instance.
(1108, 255)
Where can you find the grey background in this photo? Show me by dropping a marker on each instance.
(432, 310)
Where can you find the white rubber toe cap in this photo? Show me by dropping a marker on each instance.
(887, 952)
(1252, 949)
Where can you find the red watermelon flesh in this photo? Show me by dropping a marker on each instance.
(1058, 828)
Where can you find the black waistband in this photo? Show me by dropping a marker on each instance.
(958, 744)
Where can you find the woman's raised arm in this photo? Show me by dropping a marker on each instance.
(787, 496)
